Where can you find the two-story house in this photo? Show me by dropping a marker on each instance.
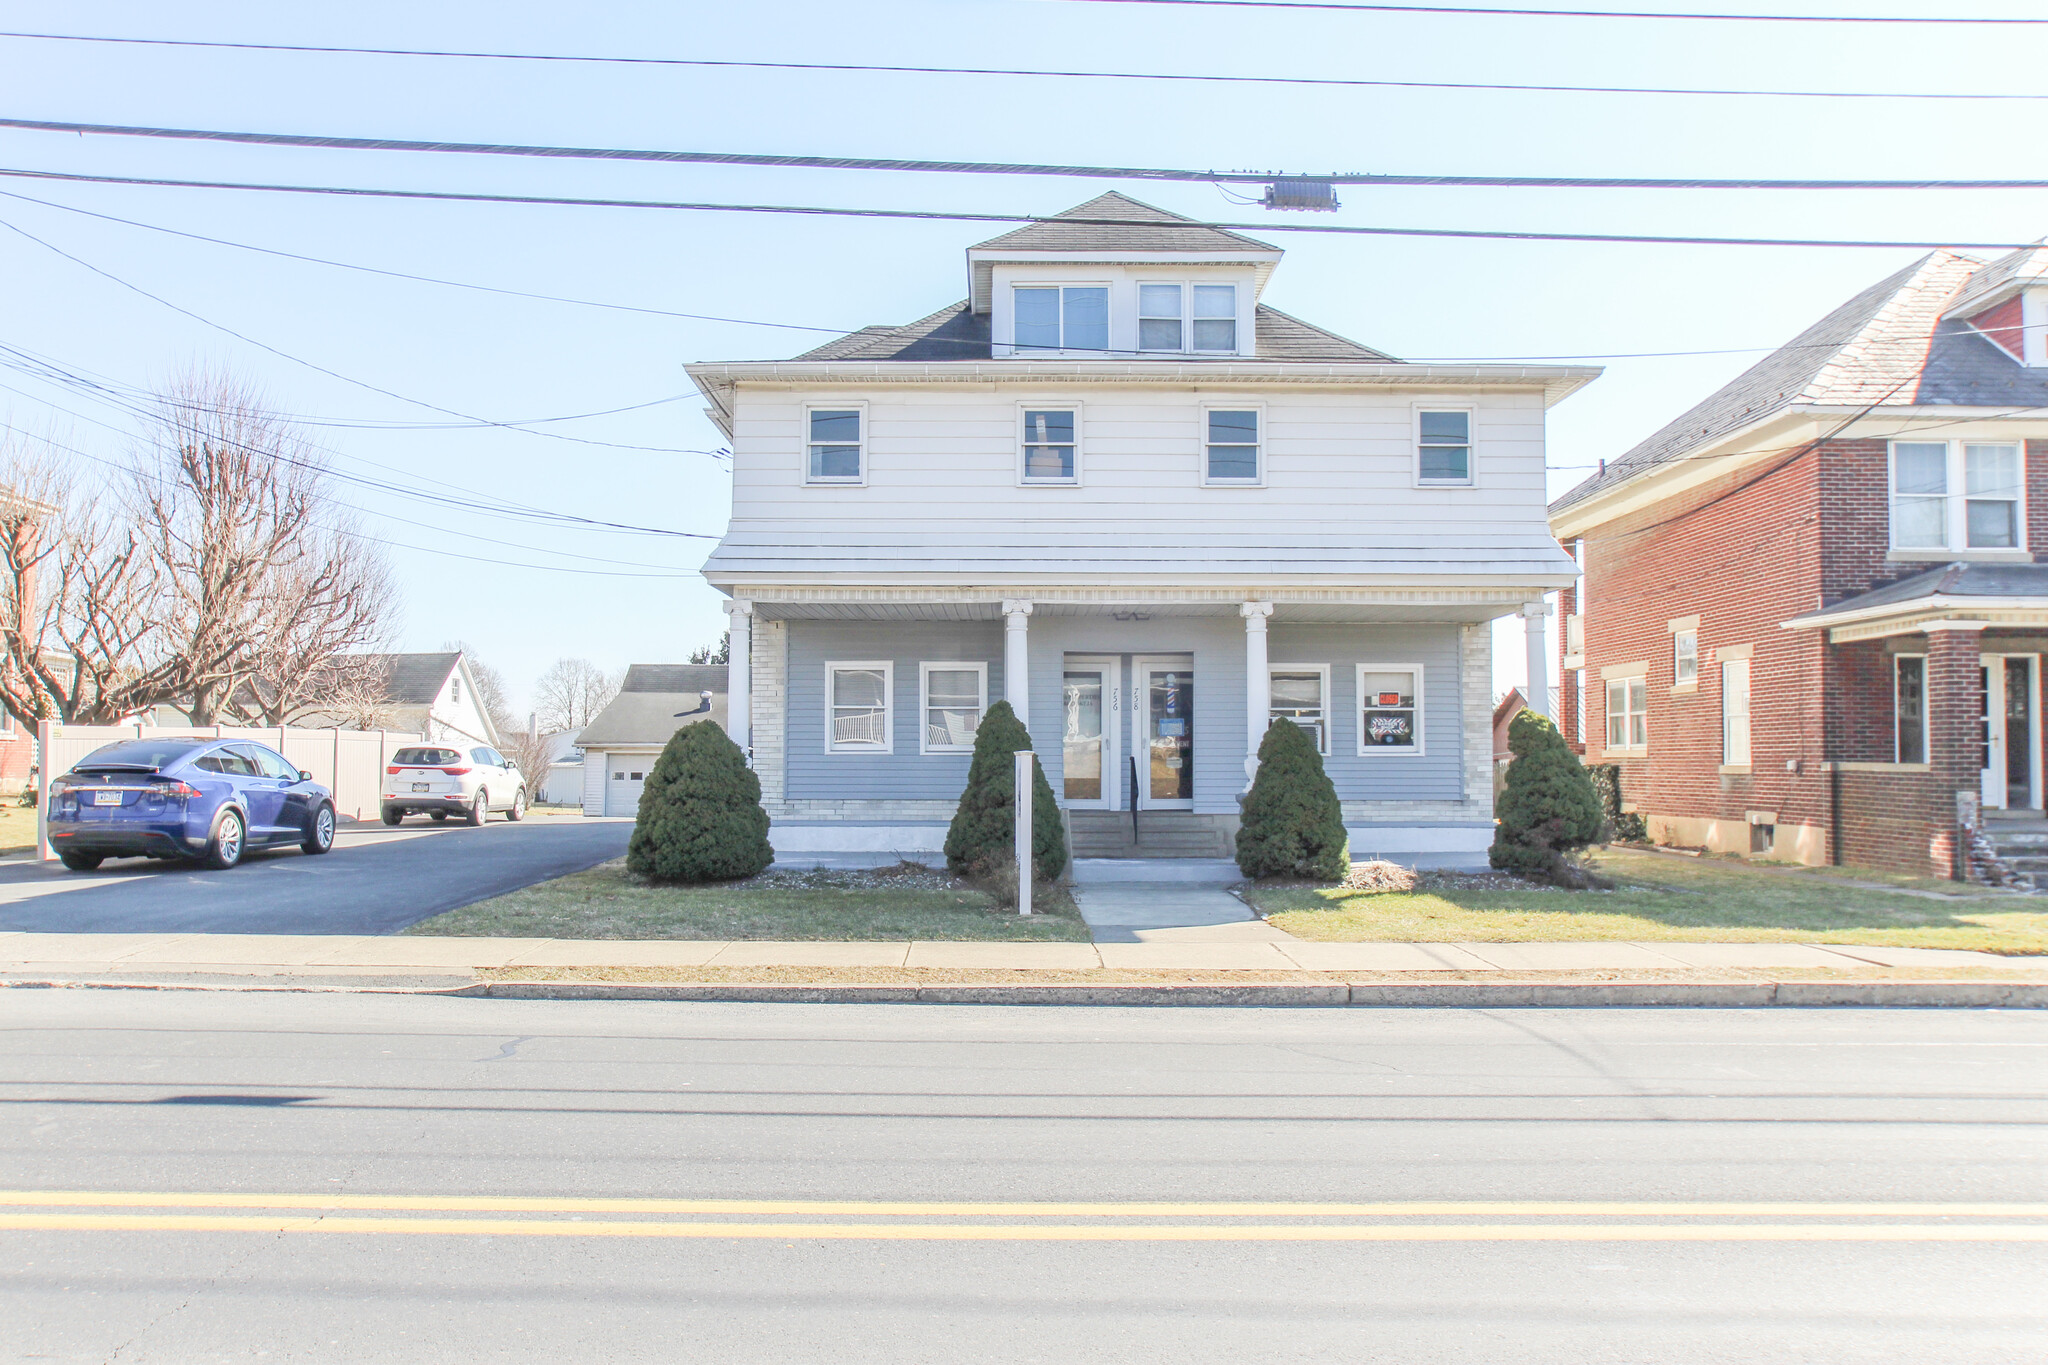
(1812, 619)
(1116, 489)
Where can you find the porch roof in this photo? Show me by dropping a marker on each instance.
(1991, 594)
(1328, 605)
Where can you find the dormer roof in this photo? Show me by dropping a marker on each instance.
(1114, 228)
(1996, 281)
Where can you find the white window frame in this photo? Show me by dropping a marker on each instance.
(1108, 288)
(1186, 288)
(1258, 449)
(924, 701)
(1471, 479)
(1733, 756)
(1678, 656)
(1322, 671)
(1027, 480)
(804, 445)
(888, 671)
(1359, 708)
(1898, 748)
(1956, 500)
(1181, 288)
(1636, 685)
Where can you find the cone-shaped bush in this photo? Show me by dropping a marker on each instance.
(983, 837)
(1549, 808)
(700, 812)
(1293, 826)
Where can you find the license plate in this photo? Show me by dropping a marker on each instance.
(106, 798)
(419, 786)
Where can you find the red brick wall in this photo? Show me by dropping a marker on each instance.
(2002, 325)
(1895, 821)
(2037, 499)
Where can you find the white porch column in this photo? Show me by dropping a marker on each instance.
(739, 676)
(1017, 659)
(1258, 684)
(1538, 695)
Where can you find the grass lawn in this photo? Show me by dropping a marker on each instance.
(888, 905)
(1659, 897)
(17, 827)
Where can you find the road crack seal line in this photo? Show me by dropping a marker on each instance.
(510, 1050)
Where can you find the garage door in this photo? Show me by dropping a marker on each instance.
(622, 786)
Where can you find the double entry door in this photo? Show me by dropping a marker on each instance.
(2011, 736)
(1150, 698)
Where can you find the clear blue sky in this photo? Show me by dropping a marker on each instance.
(507, 359)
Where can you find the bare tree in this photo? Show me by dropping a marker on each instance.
(571, 693)
(316, 612)
(491, 694)
(534, 753)
(354, 692)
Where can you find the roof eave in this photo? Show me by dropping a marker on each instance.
(1663, 478)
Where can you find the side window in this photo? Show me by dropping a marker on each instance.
(1685, 657)
(210, 763)
(485, 757)
(1735, 712)
(274, 764)
(836, 445)
(1051, 451)
(239, 762)
(1231, 451)
(1390, 709)
(858, 700)
(1443, 447)
(1628, 714)
(1909, 691)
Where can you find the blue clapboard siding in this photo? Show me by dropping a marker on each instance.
(1437, 774)
(905, 775)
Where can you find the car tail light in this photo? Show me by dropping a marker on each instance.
(391, 771)
(455, 772)
(184, 791)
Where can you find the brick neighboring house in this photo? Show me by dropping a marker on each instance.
(1815, 606)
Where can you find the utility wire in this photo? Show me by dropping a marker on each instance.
(1513, 87)
(862, 163)
(930, 215)
(1580, 13)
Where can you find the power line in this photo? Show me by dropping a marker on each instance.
(1579, 13)
(1512, 87)
(860, 163)
(932, 215)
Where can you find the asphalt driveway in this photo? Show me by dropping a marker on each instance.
(376, 881)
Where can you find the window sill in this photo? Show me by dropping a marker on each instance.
(1733, 770)
(1945, 556)
(1684, 689)
(1048, 483)
(1233, 483)
(1881, 767)
(1446, 483)
(1389, 751)
(1638, 751)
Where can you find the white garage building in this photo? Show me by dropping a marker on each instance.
(621, 744)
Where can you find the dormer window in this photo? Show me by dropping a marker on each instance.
(1165, 324)
(1063, 318)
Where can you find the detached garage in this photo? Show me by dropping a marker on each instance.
(621, 744)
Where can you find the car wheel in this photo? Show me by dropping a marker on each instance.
(320, 830)
(517, 810)
(439, 815)
(392, 815)
(480, 809)
(81, 862)
(230, 837)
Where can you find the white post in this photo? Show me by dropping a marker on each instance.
(45, 733)
(1258, 684)
(1017, 659)
(1023, 804)
(739, 677)
(1533, 614)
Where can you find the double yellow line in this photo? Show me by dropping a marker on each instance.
(1558, 1220)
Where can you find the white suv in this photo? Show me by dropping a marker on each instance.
(443, 780)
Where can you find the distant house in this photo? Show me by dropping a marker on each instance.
(432, 694)
(1504, 712)
(562, 783)
(621, 743)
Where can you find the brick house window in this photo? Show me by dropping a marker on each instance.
(1685, 657)
(1955, 495)
(1628, 715)
(1735, 713)
(1909, 707)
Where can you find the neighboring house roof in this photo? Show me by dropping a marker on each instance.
(1504, 709)
(957, 333)
(2028, 265)
(1886, 347)
(1117, 222)
(1959, 585)
(646, 711)
(413, 679)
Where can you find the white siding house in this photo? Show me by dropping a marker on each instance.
(1116, 489)
(622, 741)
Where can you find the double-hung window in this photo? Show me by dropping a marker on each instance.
(858, 699)
(1231, 448)
(1215, 318)
(1050, 452)
(1628, 714)
(1167, 322)
(1955, 495)
(1909, 707)
(1161, 317)
(1443, 446)
(836, 447)
(1735, 712)
(955, 696)
(1390, 709)
(1301, 693)
(1685, 657)
(1068, 317)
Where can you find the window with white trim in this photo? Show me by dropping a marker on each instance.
(1051, 447)
(1628, 715)
(1685, 657)
(1215, 320)
(1390, 709)
(1909, 708)
(1735, 712)
(955, 695)
(1956, 495)
(1443, 446)
(1230, 445)
(1064, 317)
(837, 447)
(1167, 322)
(1301, 693)
(859, 700)
(1160, 318)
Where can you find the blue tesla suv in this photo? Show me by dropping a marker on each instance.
(208, 801)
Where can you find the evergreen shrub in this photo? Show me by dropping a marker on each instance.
(1549, 809)
(700, 814)
(1293, 825)
(982, 842)
(1622, 826)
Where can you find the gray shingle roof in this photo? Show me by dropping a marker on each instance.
(1120, 223)
(1955, 580)
(956, 333)
(413, 679)
(1874, 349)
(691, 678)
(2017, 267)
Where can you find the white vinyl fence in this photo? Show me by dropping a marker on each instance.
(349, 763)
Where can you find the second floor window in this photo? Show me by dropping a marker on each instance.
(1062, 318)
(835, 445)
(1167, 322)
(1444, 447)
(1685, 657)
(1955, 495)
(1049, 445)
(1233, 446)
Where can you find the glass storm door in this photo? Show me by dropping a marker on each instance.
(1164, 701)
(2009, 732)
(1088, 703)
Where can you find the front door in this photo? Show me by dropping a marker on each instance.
(2010, 735)
(1163, 731)
(1089, 704)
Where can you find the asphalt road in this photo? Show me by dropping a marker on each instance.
(260, 1099)
(375, 881)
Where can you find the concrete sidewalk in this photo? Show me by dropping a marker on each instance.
(342, 956)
